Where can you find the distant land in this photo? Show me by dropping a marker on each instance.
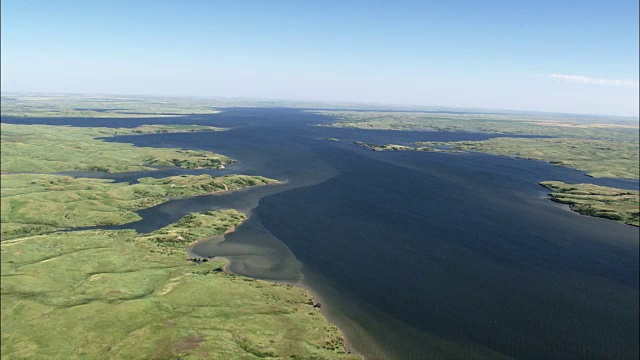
(601, 146)
(33, 104)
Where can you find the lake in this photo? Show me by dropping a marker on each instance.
(413, 254)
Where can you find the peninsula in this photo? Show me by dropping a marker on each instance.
(601, 146)
(116, 293)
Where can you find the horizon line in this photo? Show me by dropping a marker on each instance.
(333, 102)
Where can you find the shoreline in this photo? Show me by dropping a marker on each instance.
(348, 343)
(314, 295)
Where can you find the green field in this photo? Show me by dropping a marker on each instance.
(36, 204)
(599, 201)
(393, 147)
(600, 146)
(163, 129)
(101, 106)
(387, 147)
(599, 158)
(196, 226)
(117, 294)
(583, 127)
(44, 148)
(100, 294)
(130, 106)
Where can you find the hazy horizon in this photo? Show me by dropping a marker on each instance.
(373, 106)
(571, 57)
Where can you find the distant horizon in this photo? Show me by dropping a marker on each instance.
(371, 105)
(570, 56)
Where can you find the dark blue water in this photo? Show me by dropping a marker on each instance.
(416, 255)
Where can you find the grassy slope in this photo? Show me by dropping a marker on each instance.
(189, 185)
(101, 106)
(35, 204)
(387, 147)
(393, 147)
(599, 201)
(43, 148)
(195, 226)
(162, 129)
(603, 147)
(599, 158)
(116, 294)
(132, 106)
(521, 124)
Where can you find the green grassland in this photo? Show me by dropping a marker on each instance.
(600, 146)
(44, 148)
(195, 226)
(189, 185)
(120, 295)
(599, 158)
(100, 294)
(136, 106)
(387, 147)
(393, 147)
(36, 204)
(600, 201)
(602, 128)
(161, 129)
(101, 106)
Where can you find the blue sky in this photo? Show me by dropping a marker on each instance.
(560, 56)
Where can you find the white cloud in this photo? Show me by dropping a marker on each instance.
(588, 80)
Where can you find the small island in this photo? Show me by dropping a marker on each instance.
(393, 147)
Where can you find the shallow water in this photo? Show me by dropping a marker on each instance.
(415, 255)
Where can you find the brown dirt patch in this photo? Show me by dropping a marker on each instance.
(188, 343)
